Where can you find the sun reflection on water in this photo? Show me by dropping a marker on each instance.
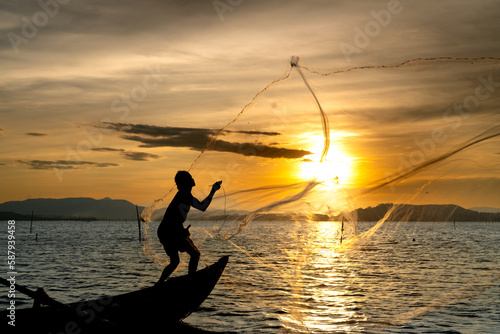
(323, 295)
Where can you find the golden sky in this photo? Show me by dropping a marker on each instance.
(109, 99)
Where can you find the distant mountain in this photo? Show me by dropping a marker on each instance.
(408, 213)
(485, 209)
(429, 212)
(4, 216)
(71, 208)
(116, 209)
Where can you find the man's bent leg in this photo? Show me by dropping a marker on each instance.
(195, 256)
(174, 262)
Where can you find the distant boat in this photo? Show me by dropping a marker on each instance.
(157, 307)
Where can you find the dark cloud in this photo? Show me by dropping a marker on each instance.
(108, 149)
(36, 134)
(130, 155)
(263, 133)
(197, 138)
(64, 164)
(193, 141)
(141, 156)
(159, 131)
(106, 164)
(169, 131)
(259, 150)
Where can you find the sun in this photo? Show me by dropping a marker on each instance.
(336, 166)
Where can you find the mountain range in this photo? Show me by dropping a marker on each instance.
(429, 212)
(84, 208)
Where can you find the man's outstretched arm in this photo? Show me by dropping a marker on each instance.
(203, 205)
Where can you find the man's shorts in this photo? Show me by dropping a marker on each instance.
(174, 246)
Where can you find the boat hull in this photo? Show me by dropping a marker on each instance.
(163, 306)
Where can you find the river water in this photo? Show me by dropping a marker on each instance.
(286, 277)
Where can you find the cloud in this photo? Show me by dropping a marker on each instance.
(169, 131)
(65, 164)
(159, 131)
(36, 134)
(130, 155)
(197, 138)
(108, 149)
(140, 156)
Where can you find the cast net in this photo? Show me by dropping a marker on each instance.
(313, 146)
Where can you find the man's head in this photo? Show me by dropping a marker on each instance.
(184, 180)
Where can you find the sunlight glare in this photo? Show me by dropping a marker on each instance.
(336, 166)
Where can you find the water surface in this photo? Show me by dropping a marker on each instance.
(286, 277)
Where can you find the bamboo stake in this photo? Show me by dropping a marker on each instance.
(342, 230)
(138, 222)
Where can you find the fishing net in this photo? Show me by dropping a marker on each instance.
(316, 144)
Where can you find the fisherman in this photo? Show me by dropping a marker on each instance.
(171, 232)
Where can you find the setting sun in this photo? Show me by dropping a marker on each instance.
(335, 166)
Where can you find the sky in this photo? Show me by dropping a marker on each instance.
(110, 98)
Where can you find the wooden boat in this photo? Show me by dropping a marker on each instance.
(150, 308)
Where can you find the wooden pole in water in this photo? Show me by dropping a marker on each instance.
(342, 230)
(138, 222)
(31, 225)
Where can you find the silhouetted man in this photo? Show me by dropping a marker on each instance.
(171, 232)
